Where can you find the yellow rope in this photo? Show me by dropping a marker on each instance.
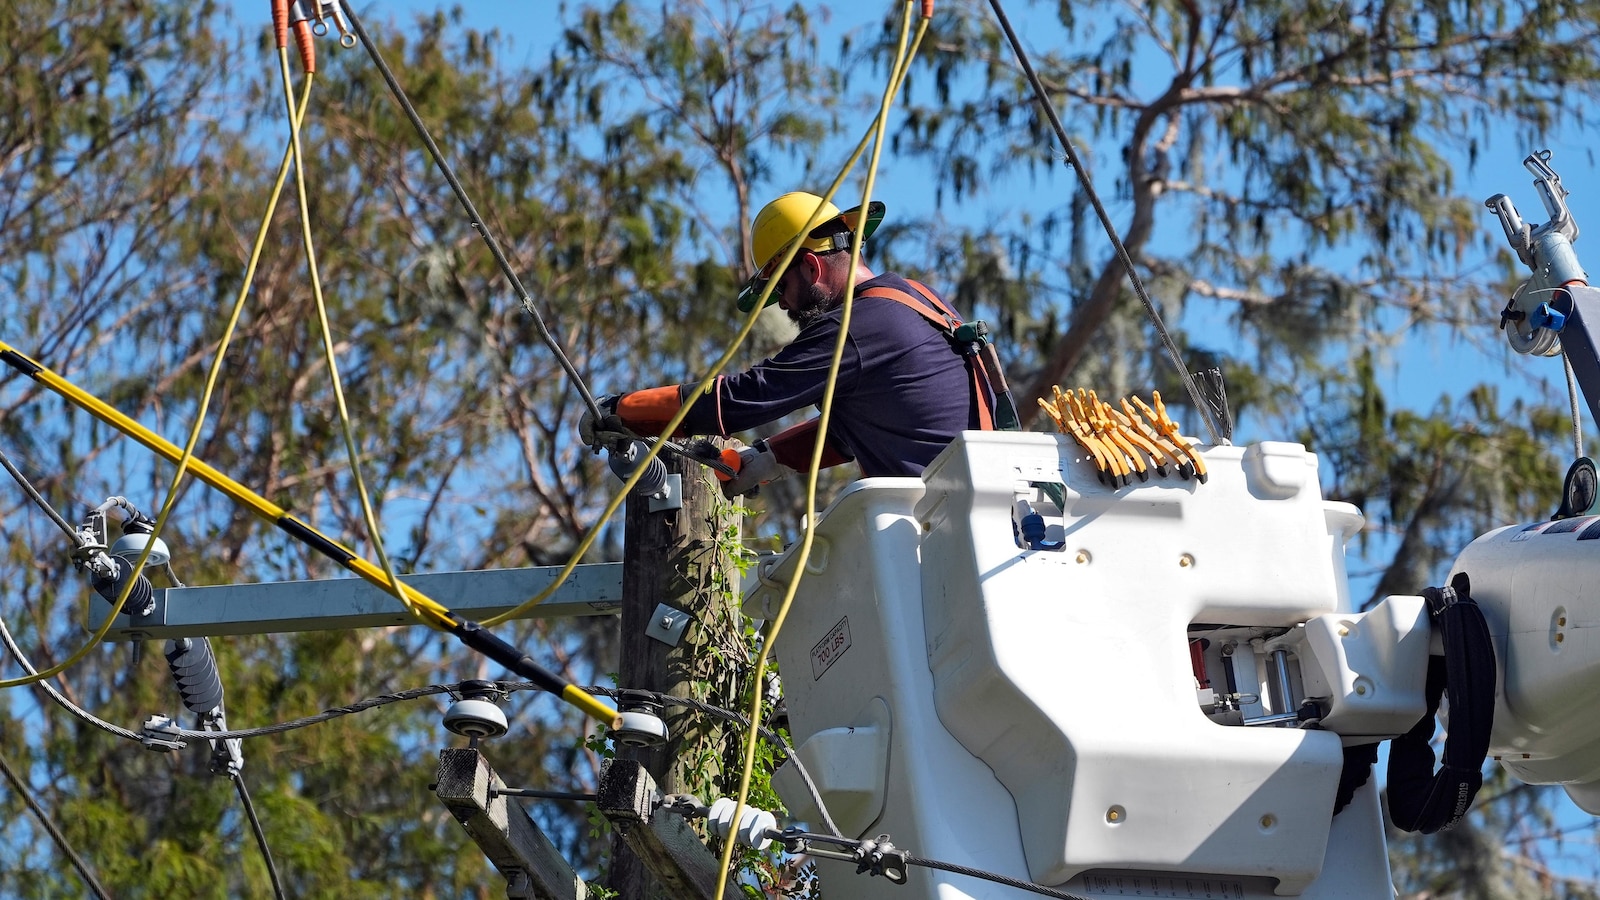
(194, 433)
(392, 581)
(897, 73)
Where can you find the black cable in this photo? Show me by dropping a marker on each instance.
(539, 794)
(60, 839)
(39, 499)
(325, 715)
(990, 876)
(1200, 405)
(261, 836)
(472, 212)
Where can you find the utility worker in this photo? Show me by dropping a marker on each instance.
(906, 385)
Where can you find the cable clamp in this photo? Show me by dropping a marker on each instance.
(686, 805)
(161, 733)
(874, 856)
(880, 857)
(227, 754)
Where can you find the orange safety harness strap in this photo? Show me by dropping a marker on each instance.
(944, 318)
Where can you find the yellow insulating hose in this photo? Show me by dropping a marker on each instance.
(897, 74)
(200, 416)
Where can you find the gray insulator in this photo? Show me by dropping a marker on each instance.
(110, 587)
(625, 459)
(194, 668)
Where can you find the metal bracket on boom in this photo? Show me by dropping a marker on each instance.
(1545, 315)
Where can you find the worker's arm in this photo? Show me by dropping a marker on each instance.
(788, 381)
(793, 447)
(779, 456)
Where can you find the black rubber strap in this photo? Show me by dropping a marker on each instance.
(1357, 771)
(1421, 799)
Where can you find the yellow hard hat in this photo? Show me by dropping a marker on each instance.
(779, 224)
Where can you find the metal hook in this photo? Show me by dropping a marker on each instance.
(1553, 194)
(334, 11)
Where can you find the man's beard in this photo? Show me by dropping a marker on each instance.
(815, 301)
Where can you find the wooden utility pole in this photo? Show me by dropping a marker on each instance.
(681, 559)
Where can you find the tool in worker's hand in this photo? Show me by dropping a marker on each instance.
(608, 431)
(751, 468)
(730, 457)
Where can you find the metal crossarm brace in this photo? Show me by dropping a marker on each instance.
(342, 603)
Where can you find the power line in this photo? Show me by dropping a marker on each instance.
(60, 699)
(261, 836)
(1202, 408)
(476, 220)
(38, 498)
(21, 788)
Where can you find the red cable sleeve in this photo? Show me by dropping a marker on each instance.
(280, 22)
(304, 39)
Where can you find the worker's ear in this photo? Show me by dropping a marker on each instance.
(812, 267)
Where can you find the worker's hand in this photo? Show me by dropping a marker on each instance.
(591, 430)
(757, 466)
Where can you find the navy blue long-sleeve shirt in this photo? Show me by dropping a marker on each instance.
(902, 395)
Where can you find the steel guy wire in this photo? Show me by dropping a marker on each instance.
(869, 854)
(327, 714)
(997, 878)
(1201, 407)
(49, 824)
(38, 498)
